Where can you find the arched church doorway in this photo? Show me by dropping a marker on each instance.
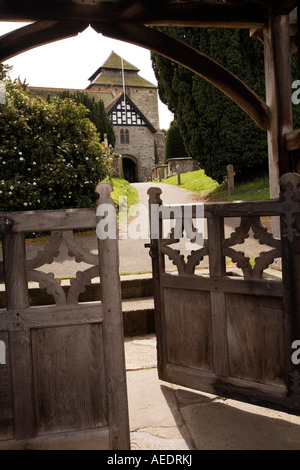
(129, 170)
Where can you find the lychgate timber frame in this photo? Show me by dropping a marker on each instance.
(276, 23)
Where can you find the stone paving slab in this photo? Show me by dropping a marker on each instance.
(165, 416)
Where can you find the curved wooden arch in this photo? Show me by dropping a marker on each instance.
(195, 61)
(44, 32)
(37, 34)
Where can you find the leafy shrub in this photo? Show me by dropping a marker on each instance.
(51, 156)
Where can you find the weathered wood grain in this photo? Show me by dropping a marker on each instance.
(22, 384)
(113, 339)
(230, 335)
(278, 96)
(265, 287)
(64, 386)
(189, 328)
(255, 338)
(169, 13)
(91, 439)
(206, 381)
(6, 407)
(51, 316)
(219, 326)
(69, 381)
(13, 246)
(43, 221)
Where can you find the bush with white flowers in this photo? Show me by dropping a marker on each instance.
(51, 156)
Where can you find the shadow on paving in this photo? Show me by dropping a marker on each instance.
(213, 423)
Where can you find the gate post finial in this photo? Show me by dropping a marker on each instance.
(154, 195)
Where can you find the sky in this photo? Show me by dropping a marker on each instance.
(70, 62)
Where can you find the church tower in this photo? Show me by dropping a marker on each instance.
(133, 110)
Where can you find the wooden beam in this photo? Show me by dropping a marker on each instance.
(278, 95)
(37, 34)
(195, 61)
(210, 14)
(292, 140)
(282, 7)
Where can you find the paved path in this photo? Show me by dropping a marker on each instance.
(165, 416)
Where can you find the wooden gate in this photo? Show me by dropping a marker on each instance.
(234, 335)
(63, 381)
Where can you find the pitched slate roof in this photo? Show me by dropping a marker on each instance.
(114, 62)
(110, 74)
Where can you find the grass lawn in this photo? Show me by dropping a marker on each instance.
(210, 190)
(123, 188)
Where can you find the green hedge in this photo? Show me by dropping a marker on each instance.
(51, 156)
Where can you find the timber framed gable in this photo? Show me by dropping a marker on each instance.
(125, 113)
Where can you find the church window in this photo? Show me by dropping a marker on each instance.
(124, 136)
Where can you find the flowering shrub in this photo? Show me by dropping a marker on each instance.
(50, 153)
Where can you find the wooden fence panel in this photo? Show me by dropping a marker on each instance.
(227, 333)
(63, 384)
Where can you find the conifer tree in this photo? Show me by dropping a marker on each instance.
(174, 143)
(215, 130)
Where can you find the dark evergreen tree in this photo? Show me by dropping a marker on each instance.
(97, 113)
(215, 130)
(174, 143)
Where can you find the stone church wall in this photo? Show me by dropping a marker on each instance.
(140, 147)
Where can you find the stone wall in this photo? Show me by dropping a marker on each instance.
(146, 99)
(185, 165)
(140, 147)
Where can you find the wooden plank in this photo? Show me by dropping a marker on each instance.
(6, 415)
(207, 382)
(13, 246)
(215, 236)
(37, 221)
(291, 264)
(269, 288)
(115, 370)
(229, 209)
(282, 7)
(91, 439)
(42, 221)
(219, 327)
(255, 336)
(292, 140)
(22, 385)
(51, 316)
(186, 14)
(69, 379)
(195, 61)
(189, 339)
(158, 267)
(278, 96)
